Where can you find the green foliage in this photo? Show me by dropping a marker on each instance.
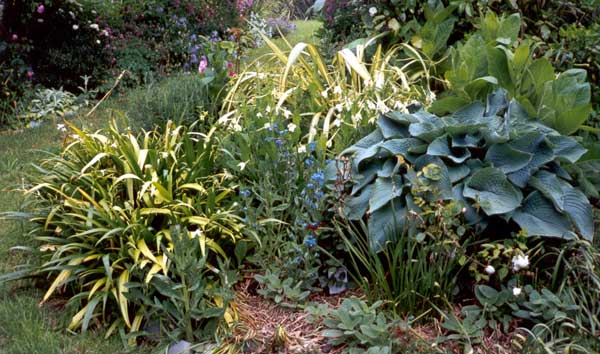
(495, 159)
(282, 291)
(356, 324)
(49, 103)
(560, 101)
(182, 98)
(103, 209)
(193, 300)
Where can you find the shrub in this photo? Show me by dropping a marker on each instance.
(502, 165)
(560, 101)
(104, 209)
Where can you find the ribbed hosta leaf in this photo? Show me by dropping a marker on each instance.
(494, 193)
(439, 147)
(384, 190)
(506, 158)
(539, 218)
(386, 224)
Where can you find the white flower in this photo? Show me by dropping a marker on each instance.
(242, 165)
(379, 80)
(259, 115)
(339, 107)
(237, 127)
(381, 106)
(61, 127)
(373, 11)
(286, 113)
(337, 90)
(104, 33)
(301, 149)
(95, 26)
(371, 105)
(356, 118)
(267, 125)
(291, 127)
(113, 145)
(196, 233)
(328, 143)
(97, 41)
(337, 123)
(75, 27)
(516, 291)
(324, 94)
(520, 262)
(490, 270)
(268, 109)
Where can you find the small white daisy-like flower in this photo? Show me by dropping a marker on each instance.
(324, 94)
(339, 107)
(516, 291)
(337, 122)
(97, 41)
(301, 149)
(490, 269)
(61, 127)
(371, 105)
(291, 127)
(75, 27)
(520, 262)
(237, 127)
(337, 90)
(373, 11)
(95, 26)
(259, 115)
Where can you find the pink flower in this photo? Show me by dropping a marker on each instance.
(231, 73)
(29, 74)
(15, 37)
(229, 65)
(40, 9)
(203, 65)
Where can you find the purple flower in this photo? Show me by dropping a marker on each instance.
(41, 9)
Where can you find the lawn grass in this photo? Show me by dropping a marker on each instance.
(26, 328)
(306, 32)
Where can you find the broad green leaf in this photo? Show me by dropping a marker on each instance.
(539, 218)
(356, 206)
(440, 147)
(384, 190)
(507, 158)
(386, 224)
(492, 191)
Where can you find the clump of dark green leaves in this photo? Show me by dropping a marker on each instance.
(500, 163)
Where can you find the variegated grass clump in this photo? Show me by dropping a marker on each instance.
(103, 211)
(328, 101)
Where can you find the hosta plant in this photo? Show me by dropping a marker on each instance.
(103, 210)
(503, 165)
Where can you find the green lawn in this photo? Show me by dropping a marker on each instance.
(306, 33)
(26, 328)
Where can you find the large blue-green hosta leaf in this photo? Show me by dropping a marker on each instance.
(539, 218)
(386, 224)
(506, 158)
(566, 199)
(492, 191)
